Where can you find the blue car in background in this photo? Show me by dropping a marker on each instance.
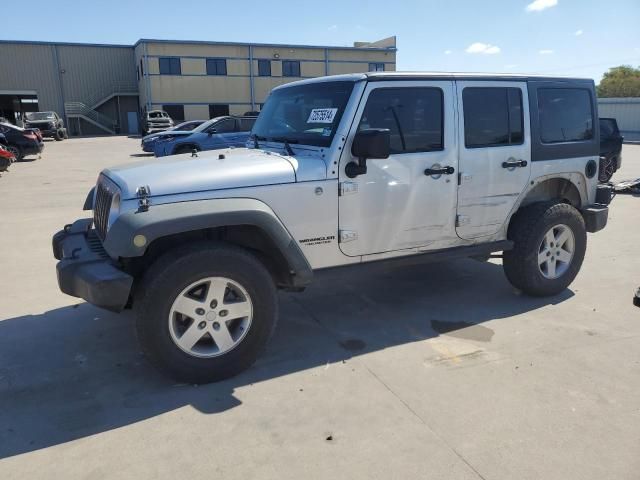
(219, 132)
(149, 140)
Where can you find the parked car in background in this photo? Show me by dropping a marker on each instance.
(21, 142)
(610, 149)
(156, 121)
(49, 124)
(6, 158)
(148, 140)
(219, 132)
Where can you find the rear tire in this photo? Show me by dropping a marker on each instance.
(16, 151)
(606, 169)
(186, 279)
(58, 136)
(550, 241)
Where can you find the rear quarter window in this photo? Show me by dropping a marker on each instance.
(565, 115)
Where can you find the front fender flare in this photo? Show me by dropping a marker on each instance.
(175, 218)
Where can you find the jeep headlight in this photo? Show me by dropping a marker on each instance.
(114, 211)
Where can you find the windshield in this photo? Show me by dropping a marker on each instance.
(307, 114)
(40, 116)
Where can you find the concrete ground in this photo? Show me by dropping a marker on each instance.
(437, 371)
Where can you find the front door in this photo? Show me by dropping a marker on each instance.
(400, 203)
(132, 123)
(495, 160)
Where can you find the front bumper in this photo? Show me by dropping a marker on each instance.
(86, 271)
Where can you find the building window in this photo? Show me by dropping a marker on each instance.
(414, 117)
(565, 115)
(216, 66)
(376, 67)
(176, 112)
(264, 68)
(141, 68)
(290, 68)
(492, 117)
(170, 66)
(218, 110)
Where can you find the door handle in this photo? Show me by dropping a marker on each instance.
(513, 163)
(439, 171)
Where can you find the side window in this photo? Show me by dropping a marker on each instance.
(565, 115)
(216, 66)
(264, 68)
(290, 68)
(493, 116)
(170, 66)
(225, 126)
(414, 115)
(246, 124)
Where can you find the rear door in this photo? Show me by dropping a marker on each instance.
(495, 153)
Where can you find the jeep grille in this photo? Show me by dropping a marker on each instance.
(101, 208)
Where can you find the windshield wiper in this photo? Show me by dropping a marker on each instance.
(255, 140)
(287, 143)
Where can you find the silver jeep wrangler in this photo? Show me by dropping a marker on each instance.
(339, 171)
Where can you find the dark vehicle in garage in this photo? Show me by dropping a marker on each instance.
(610, 149)
(49, 124)
(21, 142)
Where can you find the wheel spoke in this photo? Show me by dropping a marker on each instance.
(543, 257)
(551, 268)
(237, 310)
(222, 337)
(549, 238)
(187, 306)
(215, 291)
(191, 336)
(563, 256)
(563, 237)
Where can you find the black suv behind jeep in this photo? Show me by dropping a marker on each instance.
(610, 148)
(49, 123)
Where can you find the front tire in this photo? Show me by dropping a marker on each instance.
(550, 241)
(205, 311)
(15, 151)
(58, 136)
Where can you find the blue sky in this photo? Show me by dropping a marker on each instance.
(571, 37)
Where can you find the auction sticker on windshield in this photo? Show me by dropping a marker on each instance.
(322, 115)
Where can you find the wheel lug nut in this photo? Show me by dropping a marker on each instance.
(200, 311)
(548, 254)
(201, 325)
(223, 313)
(216, 326)
(214, 304)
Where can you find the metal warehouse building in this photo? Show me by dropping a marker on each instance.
(102, 89)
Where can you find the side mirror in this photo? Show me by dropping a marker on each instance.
(211, 131)
(368, 143)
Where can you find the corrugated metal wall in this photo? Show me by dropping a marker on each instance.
(31, 67)
(65, 73)
(626, 111)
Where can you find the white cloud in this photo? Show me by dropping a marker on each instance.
(333, 27)
(578, 33)
(539, 5)
(545, 52)
(510, 66)
(484, 48)
(447, 52)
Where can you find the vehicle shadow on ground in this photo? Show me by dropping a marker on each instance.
(141, 154)
(76, 371)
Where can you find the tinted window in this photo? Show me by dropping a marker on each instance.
(218, 110)
(413, 115)
(376, 67)
(290, 68)
(608, 128)
(170, 66)
(246, 124)
(224, 126)
(216, 66)
(176, 112)
(264, 68)
(565, 115)
(492, 116)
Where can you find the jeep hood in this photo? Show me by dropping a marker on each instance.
(239, 167)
